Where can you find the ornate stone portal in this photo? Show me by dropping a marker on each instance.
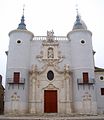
(60, 82)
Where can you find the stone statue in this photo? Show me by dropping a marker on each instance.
(50, 53)
(50, 35)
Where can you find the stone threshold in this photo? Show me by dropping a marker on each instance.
(51, 116)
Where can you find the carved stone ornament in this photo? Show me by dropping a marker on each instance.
(50, 36)
(50, 87)
(15, 97)
(66, 71)
(50, 53)
(40, 56)
(33, 72)
(33, 75)
(50, 57)
(87, 97)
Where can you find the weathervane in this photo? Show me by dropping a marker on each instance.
(23, 8)
(77, 8)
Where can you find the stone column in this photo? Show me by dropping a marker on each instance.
(68, 87)
(32, 89)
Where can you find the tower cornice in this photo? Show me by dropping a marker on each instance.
(21, 30)
(79, 30)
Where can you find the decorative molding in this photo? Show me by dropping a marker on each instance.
(33, 75)
(33, 72)
(50, 87)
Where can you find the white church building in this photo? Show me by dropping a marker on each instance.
(53, 74)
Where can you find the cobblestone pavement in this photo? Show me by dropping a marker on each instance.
(45, 117)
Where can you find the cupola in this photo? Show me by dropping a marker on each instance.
(22, 24)
(79, 24)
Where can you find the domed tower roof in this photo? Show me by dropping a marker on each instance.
(22, 24)
(21, 27)
(79, 24)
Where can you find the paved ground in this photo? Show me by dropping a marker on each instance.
(52, 117)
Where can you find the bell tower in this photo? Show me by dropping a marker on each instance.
(16, 90)
(82, 62)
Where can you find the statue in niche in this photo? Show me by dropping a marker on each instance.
(50, 53)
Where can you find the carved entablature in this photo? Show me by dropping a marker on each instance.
(50, 52)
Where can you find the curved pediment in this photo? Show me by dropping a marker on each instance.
(50, 87)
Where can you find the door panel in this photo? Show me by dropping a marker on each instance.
(50, 101)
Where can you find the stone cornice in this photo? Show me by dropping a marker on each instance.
(18, 30)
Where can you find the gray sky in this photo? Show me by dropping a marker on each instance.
(59, 15)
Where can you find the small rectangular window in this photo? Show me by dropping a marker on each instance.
(102, 91)
(85, 77)
(16, 77)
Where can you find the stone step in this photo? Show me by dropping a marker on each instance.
(2, 117)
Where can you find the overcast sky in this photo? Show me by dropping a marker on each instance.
(59, 15)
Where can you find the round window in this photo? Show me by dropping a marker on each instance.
(18, 41)
(101, 78)
(82, 41)
(50, 75)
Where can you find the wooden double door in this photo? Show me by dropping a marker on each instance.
(50, 101)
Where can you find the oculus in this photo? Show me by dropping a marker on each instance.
(83, 41)
(18, 41)
(50, 75)
(101, 78)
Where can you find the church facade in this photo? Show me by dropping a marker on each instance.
(53, 74)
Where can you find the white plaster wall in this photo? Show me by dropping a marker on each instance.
(81, 54)
(65, 49)
(18, 61)
(99, 97)
(82, 61)
(19, 54)
(36, 48)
